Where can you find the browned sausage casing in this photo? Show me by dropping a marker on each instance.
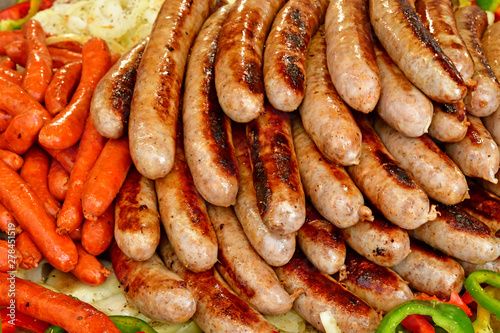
(322, 293)
(491, 48)
(110, 106)
(155, 105)
(433, 170)
(350, 54)
(379, 241)
(207, 130)
(377, 285)
(285, 52)
(459, 235)
(388, 186)
(275, 249)
(184, 216)
(238, 64)
(321, 242)
(242, 268)
(430, 271)
(490, 265)
(484, 98)
(218, 308)
(276, 177)
(152, 288)
(449, 122)
(401, 104)
(137, 220)
(484, 206)
(414, 50)
(437, 16)
(328, 186)
(477, 154)
(327, 119)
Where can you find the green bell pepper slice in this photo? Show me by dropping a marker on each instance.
(125, 324)
(450, 317)
(9, 24)
(473, 286)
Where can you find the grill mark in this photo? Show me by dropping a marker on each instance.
(240, 283)
(367, 275)
(424, 36)
(474, 135)
(482, 203)
(252, 76)
(476, 23)
(323, 232)
(218, 124)
(461, 221)
(299, 268)
(260, 180)
(123, 89)
(393, 170)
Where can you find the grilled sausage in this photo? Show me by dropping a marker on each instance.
(484, 98)
(110, 106)
(285, 53)
(430, 271)
(401, 104)
(490, 265)
(491, 49)
(388, 186)
(414, 50)
(137, 220)
(242, 268)
(184, 216)
(483, 205)
(380, 241)
(321, 242)
(207, 130)
(377, 285)
(323, 293)
(276, 177)
(276, 250)
(449, 122)
(438, 18)
(218, 308)
(238, 63)
(327, 185)
(477, 154)
(327, 119)
(459, 235)
(155, 105)
(153, 289)
(432, 169)
(350, 54)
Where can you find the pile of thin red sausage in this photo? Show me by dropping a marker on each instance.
(341, 126)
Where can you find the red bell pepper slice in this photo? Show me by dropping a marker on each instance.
(417, 323)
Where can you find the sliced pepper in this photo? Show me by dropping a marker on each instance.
(448, 316)
(473, 286)
(417, 323)
(14, 24)
(455, 299)
(490, 5)
(125, 324)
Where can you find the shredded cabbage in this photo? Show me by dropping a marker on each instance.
(122, 23)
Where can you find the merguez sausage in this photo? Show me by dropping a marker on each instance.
(285, 52)
(207, 130)
(155, 105)
(238, 63)
(414, 50)
(350, 54)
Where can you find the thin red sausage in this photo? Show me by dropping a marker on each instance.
(62, 85)
(89, 270)
(29, 211)
(21, 132)
(30, 254)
